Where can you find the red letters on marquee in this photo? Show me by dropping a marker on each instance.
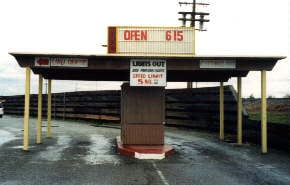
(142, 35)
(135, 35)
(176, 35)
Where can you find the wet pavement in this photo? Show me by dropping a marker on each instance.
(80, 153)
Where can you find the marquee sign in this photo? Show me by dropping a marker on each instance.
(60, 62)
(148, 72)
(151, 40)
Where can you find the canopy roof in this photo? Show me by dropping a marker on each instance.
(116, 67)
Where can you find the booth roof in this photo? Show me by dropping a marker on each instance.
(115, 67)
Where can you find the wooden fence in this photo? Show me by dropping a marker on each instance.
(196, 108)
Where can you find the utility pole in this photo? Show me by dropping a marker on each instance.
(76, 86)
(194, 17)
(46, 86)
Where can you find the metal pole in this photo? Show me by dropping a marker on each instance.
(45, 86)
(264, 112)
(49, 109)
(63, 112)
(54, 106)
(189, 85)
(222, 135)
(239, 113)
(26, 110)
(192, 24)
(39, 114)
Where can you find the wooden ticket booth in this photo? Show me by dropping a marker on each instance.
(142, 115)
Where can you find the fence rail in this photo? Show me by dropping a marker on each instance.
(196, 108)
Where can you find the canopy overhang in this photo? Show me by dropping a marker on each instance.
(116, 67)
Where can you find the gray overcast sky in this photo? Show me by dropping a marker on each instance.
(237, 27)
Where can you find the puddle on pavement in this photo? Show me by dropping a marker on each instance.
(54, 153)
(183, 145)
(20, 147)
(6, 136)
(99, 151)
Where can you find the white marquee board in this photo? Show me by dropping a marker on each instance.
(152, 40)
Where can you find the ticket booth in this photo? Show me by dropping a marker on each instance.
(142, 115)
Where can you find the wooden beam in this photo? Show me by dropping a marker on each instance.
(26, 110)
(263, 112)
(239, 113)
(222, 135)
(39, 113)
(48, 134)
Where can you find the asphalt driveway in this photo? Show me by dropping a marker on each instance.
(80, 153)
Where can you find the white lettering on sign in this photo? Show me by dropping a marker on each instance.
(148, 72)
(218, 64)
(60, 62)
(155, 40)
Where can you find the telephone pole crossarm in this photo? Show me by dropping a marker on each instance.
(194, 15)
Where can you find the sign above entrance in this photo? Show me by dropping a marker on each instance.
(148, 72)
(217, 64)
(151, 40)
(60, 62)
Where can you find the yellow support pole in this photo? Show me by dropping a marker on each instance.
(48, 134)
(39, 114)
(26, 110)
(263, 112)
(239, 113)
(222, 135)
